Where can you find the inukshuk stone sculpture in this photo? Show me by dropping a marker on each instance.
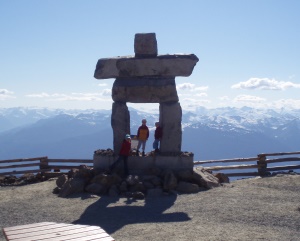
(147, 78)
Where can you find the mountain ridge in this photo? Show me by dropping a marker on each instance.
(208, 133)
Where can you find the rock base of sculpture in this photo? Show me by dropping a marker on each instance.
(139, 165)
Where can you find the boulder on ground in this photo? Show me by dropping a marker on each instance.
(73, 185)
(138, 187)
(204, 178)
(96, 188)
(134, 186)
(132, 180)
(105, 179)
(61, 180)
(113, 191)
(170, 181)
(223, 178)
(185, 175)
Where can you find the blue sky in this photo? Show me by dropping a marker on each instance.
(249, 52)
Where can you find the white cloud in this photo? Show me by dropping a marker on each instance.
(72, 96)
(5, 94)
(224, 98)
(41, 95)
(265, 84)
(102, 84)
(191, 87)
(195, 102)
(189, 100)
(106, 92)
(201, 88)
(193, 99)
(248, 98)
(287, 103)
(185, 86)
(201, 94)
(190, 104)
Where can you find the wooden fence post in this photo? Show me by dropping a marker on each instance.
(44, 165)
(262, 165)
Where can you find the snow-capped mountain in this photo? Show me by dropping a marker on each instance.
(209, 133)
(21, 116)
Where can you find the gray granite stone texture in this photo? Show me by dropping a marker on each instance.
(170, 115)
(162, 65)
(145, 90)
(145, 45)
(120, 123)
(138, 165)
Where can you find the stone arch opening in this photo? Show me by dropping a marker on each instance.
(151, 114)
(170, 114)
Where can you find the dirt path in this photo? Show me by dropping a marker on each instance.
(250, 209)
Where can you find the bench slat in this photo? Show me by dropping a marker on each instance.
(50, 231)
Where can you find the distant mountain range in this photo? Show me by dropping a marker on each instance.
(208, 133)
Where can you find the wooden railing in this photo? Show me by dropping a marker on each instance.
(43, 164)
(261, 164)
(39, 164)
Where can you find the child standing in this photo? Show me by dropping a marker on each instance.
(157, 136)
(142, 136)
(123, 154)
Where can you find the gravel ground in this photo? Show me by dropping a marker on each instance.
(249, 209)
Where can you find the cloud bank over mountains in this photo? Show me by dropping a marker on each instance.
(6, 94)
(255, 92)
(265, 84)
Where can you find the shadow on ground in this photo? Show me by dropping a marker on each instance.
(113, 217)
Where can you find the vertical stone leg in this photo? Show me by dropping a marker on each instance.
(170, 115)
(120, 123)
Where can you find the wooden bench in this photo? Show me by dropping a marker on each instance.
(47, 231)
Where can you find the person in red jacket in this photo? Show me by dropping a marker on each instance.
(123, 154)
(142, 136)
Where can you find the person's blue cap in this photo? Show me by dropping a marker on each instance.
(127, 136)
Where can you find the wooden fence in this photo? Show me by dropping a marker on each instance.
(43, 164)
(40, 164)
(261, 164)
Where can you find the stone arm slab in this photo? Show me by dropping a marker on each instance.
(162, 65)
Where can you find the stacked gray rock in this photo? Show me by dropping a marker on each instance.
(155, 183)
(147, 78)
